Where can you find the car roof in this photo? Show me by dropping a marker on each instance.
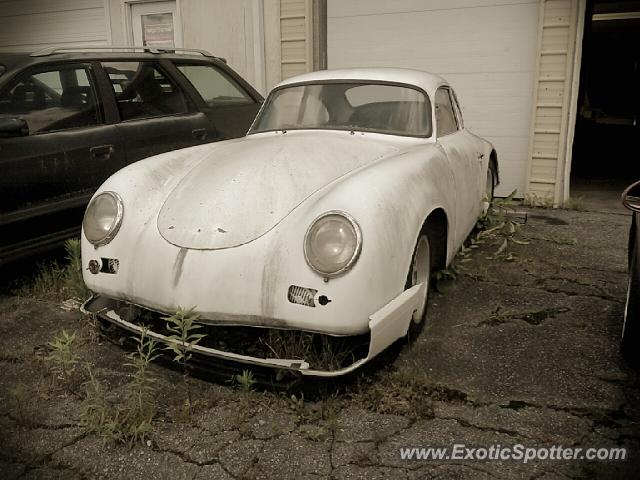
(428, 82)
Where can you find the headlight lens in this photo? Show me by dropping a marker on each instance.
(102, 218)
(332, 244)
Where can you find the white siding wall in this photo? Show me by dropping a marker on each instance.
(485, 48)
(224, 28)
(28, 25)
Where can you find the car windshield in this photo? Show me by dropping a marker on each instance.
(366, 107)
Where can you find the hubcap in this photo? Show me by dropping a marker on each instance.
(420, 273)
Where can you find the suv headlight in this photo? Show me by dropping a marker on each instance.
(103, 218)
(332, 243)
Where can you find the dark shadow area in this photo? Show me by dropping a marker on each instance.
(605, 153)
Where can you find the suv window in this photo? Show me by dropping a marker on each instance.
(58, 98)
(142, 90)
(215, 87)
(445, 118)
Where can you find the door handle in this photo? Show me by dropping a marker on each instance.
(199, 133)
(480, 156)
(101, 152)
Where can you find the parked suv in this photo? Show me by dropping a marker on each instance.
(69, 119)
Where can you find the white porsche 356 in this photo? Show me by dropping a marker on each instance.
(326, 220)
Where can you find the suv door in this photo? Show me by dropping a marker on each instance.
(49, 175)
(156, 115)
(230, 106)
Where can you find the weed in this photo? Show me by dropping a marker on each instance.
(500, 226)
(400, 395)
(321, 351)
(73, 281)
(456, 267)
(63, 359)
(182, 325)
(47, 283)
(574, 203)
(128, 420)
(244, 381)
(298, 406)
(19, 404)
(53, 281)
(538, 201)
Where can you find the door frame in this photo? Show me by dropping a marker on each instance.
(126, 7)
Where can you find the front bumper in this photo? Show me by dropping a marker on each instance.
(386, 325)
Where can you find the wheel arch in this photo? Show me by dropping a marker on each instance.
(493, 162)
(436, 226)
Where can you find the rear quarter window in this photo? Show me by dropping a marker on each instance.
(216, 87)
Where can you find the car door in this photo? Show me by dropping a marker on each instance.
(156, 115)
(49, 174)
(458, 149)
(229, 105)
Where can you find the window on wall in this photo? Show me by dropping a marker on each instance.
(142, 90)
(445, 117)
(216, 88)
(58, 98)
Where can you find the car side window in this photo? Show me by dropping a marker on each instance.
(215, 87)
(142, 90)
(456, 107)
(56, 98)
(445, 117)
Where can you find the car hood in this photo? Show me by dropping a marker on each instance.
(242, 189)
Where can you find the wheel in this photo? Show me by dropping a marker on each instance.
(419, 272)
(630, 344)
(490, 186)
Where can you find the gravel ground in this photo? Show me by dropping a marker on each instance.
(514, 352)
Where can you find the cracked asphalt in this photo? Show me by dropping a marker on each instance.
(519, 352)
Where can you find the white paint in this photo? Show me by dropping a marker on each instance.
(485, 48)
(388, 184)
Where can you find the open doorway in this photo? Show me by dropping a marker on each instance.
(605, 152)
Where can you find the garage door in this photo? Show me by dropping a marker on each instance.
(29, 25)
(485, 48)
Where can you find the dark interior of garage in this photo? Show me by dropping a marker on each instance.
(606, 156)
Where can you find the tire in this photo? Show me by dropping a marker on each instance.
(419, 272)
(489, 189)
(630, 344)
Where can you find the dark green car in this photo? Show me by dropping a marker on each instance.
(69, 119)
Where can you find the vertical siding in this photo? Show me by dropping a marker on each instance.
(295, 37)
(552, 95)
(28, 25)
(223, 28)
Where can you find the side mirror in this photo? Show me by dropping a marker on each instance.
(11, 126)
(631, 197)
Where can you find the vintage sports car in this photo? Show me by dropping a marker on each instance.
(308, 244)
(631, 331)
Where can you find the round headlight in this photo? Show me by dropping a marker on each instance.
(332, 243)
(102, 218)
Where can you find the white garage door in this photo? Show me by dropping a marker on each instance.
(485, 48)
(29, 25)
